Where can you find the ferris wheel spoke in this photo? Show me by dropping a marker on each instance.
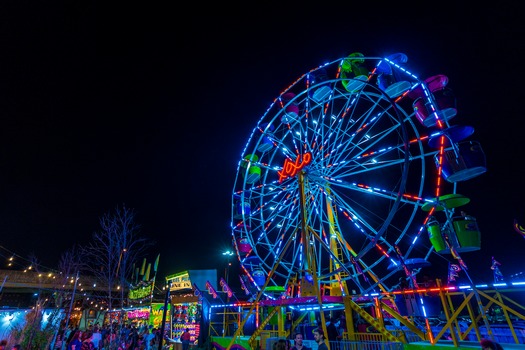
(373, 191)
(350, 155)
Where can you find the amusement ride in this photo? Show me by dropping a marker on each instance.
(349, 179)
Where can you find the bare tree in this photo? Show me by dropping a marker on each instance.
(114, 249)
(71, 263)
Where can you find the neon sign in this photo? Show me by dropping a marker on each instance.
(291, 168)
(138, 314)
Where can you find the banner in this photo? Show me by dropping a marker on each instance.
(138, 313)
(226, 288)
(243, 286)
(453, 272)
(156, 314)
(498, 276)
(211, 290)
(141, 292)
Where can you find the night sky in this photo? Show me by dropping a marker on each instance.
(150, 107)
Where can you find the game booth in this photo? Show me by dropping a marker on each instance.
(188, 305)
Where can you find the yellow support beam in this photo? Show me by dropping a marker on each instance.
(348, 302)
(253, 339)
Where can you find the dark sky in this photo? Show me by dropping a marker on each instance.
(150, 107)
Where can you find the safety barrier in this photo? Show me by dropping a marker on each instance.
(365, 345)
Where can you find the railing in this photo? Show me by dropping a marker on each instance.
(378, 337)
(365, 345)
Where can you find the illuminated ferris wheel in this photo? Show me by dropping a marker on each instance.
(340, 176)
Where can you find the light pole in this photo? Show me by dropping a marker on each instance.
(228, 254)
(165, 311)
(121, 284)
(70, 309)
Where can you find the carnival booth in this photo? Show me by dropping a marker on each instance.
(188, 306)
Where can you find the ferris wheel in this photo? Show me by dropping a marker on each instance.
(333, 178)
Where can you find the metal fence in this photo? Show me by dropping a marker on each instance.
(365, 345)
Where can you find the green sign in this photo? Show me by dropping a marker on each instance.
(141, 292)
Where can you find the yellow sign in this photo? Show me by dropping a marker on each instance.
(180, 285)
(179, 282)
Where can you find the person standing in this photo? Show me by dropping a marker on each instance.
(70, 332)
(149, 335)
(331, 329)
(298, 343)
(87, 341)
(97, 337)
(185, 339)
(75, 343)
(342, 324)
(133, 337)
(157, 338)
(320, 339)
(280, 345)
(487, 344)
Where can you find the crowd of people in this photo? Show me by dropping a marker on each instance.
(144, 337)
(116, 337)
(285, 344)
(132, 338)
(321, 340)
(335, 326)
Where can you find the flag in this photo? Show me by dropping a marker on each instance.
(211, 290)
(453, 272)
(226, 288)
(143, 267)
(156, 266)
(498, 276)
(197, 292)
(243, 286)
(146, 275)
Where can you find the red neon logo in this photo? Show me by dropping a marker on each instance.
(291, 168)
